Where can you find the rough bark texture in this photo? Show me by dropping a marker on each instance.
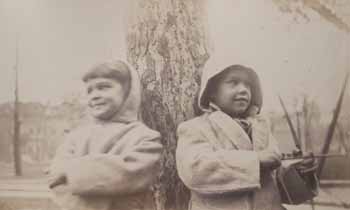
(167, 44)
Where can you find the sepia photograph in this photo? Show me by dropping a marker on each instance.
(174, 105)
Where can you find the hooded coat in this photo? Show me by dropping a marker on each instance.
(109, 165)
(218, 161)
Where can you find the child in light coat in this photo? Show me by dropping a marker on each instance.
(110, 163)
(227, 156)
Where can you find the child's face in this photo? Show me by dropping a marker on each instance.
(232, 94)
(105, 97)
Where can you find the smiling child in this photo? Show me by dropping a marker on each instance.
(110, 163)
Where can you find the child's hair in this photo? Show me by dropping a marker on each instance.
(213, 82)
(116, 70)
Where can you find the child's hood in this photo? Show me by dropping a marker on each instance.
(130, 107)
(214, 67)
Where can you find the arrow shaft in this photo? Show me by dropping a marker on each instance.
(332, 126)
(290, 124)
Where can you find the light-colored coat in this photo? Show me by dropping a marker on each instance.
(219, 163)
(109, 165)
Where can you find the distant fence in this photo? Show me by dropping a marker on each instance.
(25, 194)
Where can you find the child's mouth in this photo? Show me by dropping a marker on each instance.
(241, 100)
(97, 105)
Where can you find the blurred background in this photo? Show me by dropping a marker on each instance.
(299, 48)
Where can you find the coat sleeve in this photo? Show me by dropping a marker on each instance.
(64, 153)
(273, 145)
(210, 171)
(108, 174)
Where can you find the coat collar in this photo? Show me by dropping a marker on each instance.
(231, 130)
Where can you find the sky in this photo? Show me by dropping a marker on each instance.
(57, 42)
(60, 39)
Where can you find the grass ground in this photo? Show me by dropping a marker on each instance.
(33, 182)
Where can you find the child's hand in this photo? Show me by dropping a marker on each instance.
(57, 179)
(269, 160)
(308, 164)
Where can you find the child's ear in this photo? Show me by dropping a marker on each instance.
(211, 95)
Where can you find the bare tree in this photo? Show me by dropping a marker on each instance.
(333, 11)
(16, 124)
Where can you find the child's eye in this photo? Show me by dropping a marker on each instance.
(232, 82)
(103, 86)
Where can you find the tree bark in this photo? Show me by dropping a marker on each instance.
(167, 42)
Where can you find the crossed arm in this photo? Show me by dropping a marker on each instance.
(107, 174)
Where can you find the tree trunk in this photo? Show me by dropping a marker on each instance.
(17, 147)
(16, 125)
(167, 43)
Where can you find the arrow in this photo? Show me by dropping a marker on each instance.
(332, 126)
(290, 124)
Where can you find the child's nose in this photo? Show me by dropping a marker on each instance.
(94, 95)
(242, 88)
